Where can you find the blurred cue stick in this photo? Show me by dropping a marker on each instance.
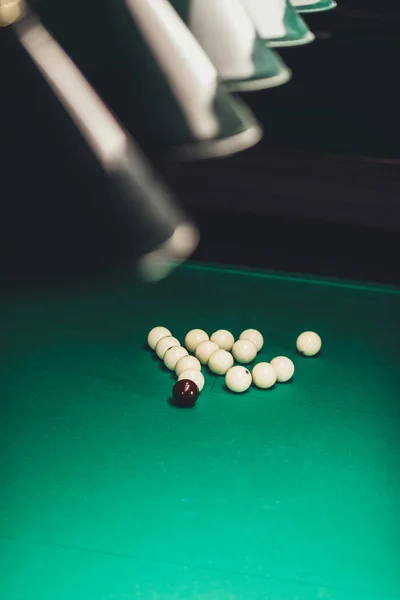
(165, 237)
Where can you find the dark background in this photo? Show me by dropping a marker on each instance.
(319, 194)
(332, 135)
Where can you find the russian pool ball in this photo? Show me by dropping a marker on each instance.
(238, 379)
(172, 356)
(194, 338)
(156, 334)
(164, 344)
(220, 362)
(308, 343)
(185, 393)
(244, 351)
(187, 362)
(254, 336)
(284, 368)
(223, 338)
(264, 375)
(204, 351)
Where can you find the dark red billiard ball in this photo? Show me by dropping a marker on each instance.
(185, 393)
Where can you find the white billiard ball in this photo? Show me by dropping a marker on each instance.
(254, 336)
(309, 343)
(193, 375)
(164, 344)
(156, 334)
(284, 368)
(264, 375)
(204, 351)
(223, 338)
(187, 362)
(194, 338)
(244, 351)
(238, 379)
(172, 356)
(220, 362)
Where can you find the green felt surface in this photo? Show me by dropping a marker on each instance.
(109, 493)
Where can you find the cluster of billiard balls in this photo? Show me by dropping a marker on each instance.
(219, 352)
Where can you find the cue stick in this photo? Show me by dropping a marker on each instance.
(167, 236)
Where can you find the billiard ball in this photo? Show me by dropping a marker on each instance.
(220, 362)
(238, 379)
(254, 336)
(193, 375)
(156, 334)
(187, 362)
(204, 351)
(263, 375)
(308, 343)
(172, 356)
(185, 393)
(164, 344)
(223, 338)
(284, 368)
(194, 338)
(244, 351)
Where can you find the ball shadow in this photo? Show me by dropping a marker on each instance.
(226, 389)
(174, 404)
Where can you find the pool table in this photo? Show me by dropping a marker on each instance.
(110, 493)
